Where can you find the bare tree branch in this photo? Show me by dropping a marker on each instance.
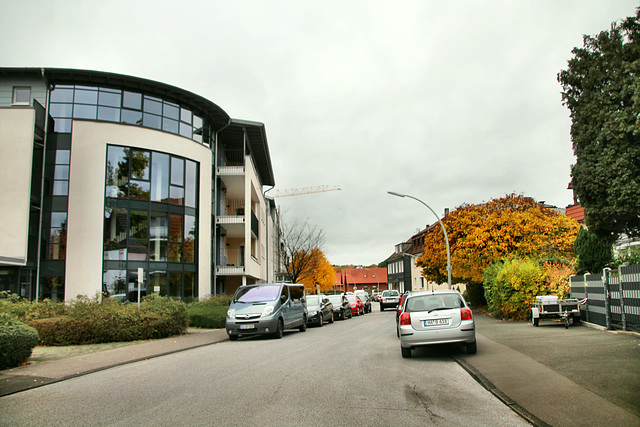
(299, 240)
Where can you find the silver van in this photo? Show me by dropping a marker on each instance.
(266, 309)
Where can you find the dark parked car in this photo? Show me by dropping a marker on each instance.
(320, 310)
(341, 307)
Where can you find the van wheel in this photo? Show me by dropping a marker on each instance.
(279, 330)
(303, 327)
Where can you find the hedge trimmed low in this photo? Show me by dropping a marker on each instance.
(17, 341)
(210, 317)
(93, 322)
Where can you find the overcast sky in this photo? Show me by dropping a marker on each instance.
(449, 101)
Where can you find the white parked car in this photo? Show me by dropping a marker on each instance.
(436, 317)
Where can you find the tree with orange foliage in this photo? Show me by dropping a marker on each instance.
(484, 233)
(319, 271)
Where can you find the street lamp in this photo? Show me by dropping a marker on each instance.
(446, 239)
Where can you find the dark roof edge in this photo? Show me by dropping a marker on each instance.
(92, 77)
(259, 147)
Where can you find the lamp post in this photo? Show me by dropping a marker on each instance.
(446, 239)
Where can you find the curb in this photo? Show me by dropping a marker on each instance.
(488, 385)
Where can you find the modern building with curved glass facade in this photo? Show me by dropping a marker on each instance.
(112, 180)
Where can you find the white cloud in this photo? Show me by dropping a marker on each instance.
(451, 102)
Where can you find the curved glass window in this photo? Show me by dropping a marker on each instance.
(149, 223)
(120, 106)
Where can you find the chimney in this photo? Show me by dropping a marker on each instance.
(446, 211)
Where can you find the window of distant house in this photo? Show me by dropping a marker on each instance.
(21, 95)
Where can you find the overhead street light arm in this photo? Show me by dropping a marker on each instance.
(446, 238)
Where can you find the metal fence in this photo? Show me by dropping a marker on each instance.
(612, 298)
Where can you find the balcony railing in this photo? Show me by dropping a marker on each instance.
(233, 262)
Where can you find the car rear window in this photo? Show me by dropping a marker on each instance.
(390, 293)
(432, 302)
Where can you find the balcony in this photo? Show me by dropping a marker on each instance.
(232, 262)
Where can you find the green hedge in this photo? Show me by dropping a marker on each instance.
(92, 321)
(17, 340)
(210, 313)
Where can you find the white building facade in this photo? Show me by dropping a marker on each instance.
(110, 180)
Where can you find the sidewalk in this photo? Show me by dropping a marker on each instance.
(581, 376)
(64, 365)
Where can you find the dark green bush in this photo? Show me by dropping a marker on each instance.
(594, 252)
(93, 321)
(64, 330)
(210, 313)
(207, 316)
(17, 340)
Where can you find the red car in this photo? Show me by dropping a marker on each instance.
(357, 306)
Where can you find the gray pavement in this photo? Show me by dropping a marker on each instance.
(582, 376)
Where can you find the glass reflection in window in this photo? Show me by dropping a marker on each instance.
(160, 177)
(139, 226)
(117, 172)
(140, 164)
(177, 171)
(132, 100)
(191, 185)
(190, 238)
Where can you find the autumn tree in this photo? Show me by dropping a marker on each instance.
(483, 233)
(319, 271)
(300, 240)
(601, 88)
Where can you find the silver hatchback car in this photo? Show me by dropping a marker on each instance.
(436, 317)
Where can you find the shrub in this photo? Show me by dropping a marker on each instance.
(207, 316)
(91, 321)
(594, 253)
(17, 340)
(511, 286)
(64, 330)
(173, 312)
(209, 313)
(627, 256)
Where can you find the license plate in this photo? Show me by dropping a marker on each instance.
(247, 326)
(436, 322)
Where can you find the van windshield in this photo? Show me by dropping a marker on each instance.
(257, 294)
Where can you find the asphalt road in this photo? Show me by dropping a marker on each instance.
(347, 373)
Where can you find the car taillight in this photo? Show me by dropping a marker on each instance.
(465, 313)
(405, 319)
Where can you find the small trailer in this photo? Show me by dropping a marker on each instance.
(550, 307)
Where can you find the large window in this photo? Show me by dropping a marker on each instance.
(70, 102)
(150, 222)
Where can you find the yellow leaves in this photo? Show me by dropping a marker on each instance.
(319, 271)
(483, 233)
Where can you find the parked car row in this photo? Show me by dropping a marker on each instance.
(434, 317)
(270, 308)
